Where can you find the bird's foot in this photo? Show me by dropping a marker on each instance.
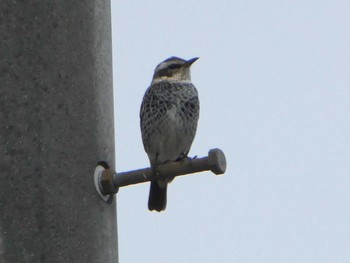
(185, 157)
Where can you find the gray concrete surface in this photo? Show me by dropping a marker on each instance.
(56, 123)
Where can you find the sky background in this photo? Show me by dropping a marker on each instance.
(274, 85)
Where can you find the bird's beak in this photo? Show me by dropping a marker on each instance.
(190, 62)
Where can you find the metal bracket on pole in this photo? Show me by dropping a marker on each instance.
(107, 181)
(101, 179)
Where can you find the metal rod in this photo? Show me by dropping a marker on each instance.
(215, 162)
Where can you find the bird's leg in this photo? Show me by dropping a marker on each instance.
(184, 157)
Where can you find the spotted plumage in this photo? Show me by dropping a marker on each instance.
(169, 116)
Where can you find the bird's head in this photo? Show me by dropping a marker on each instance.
(173, 69)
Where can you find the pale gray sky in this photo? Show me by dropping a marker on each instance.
(274, 85)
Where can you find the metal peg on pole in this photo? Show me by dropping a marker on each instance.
(108, 182)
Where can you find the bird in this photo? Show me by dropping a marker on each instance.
(168, 120)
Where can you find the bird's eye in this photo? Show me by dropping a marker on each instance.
(174, 66)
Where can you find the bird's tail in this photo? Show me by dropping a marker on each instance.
(157, 196)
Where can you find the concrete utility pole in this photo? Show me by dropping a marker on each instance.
(56, 123)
